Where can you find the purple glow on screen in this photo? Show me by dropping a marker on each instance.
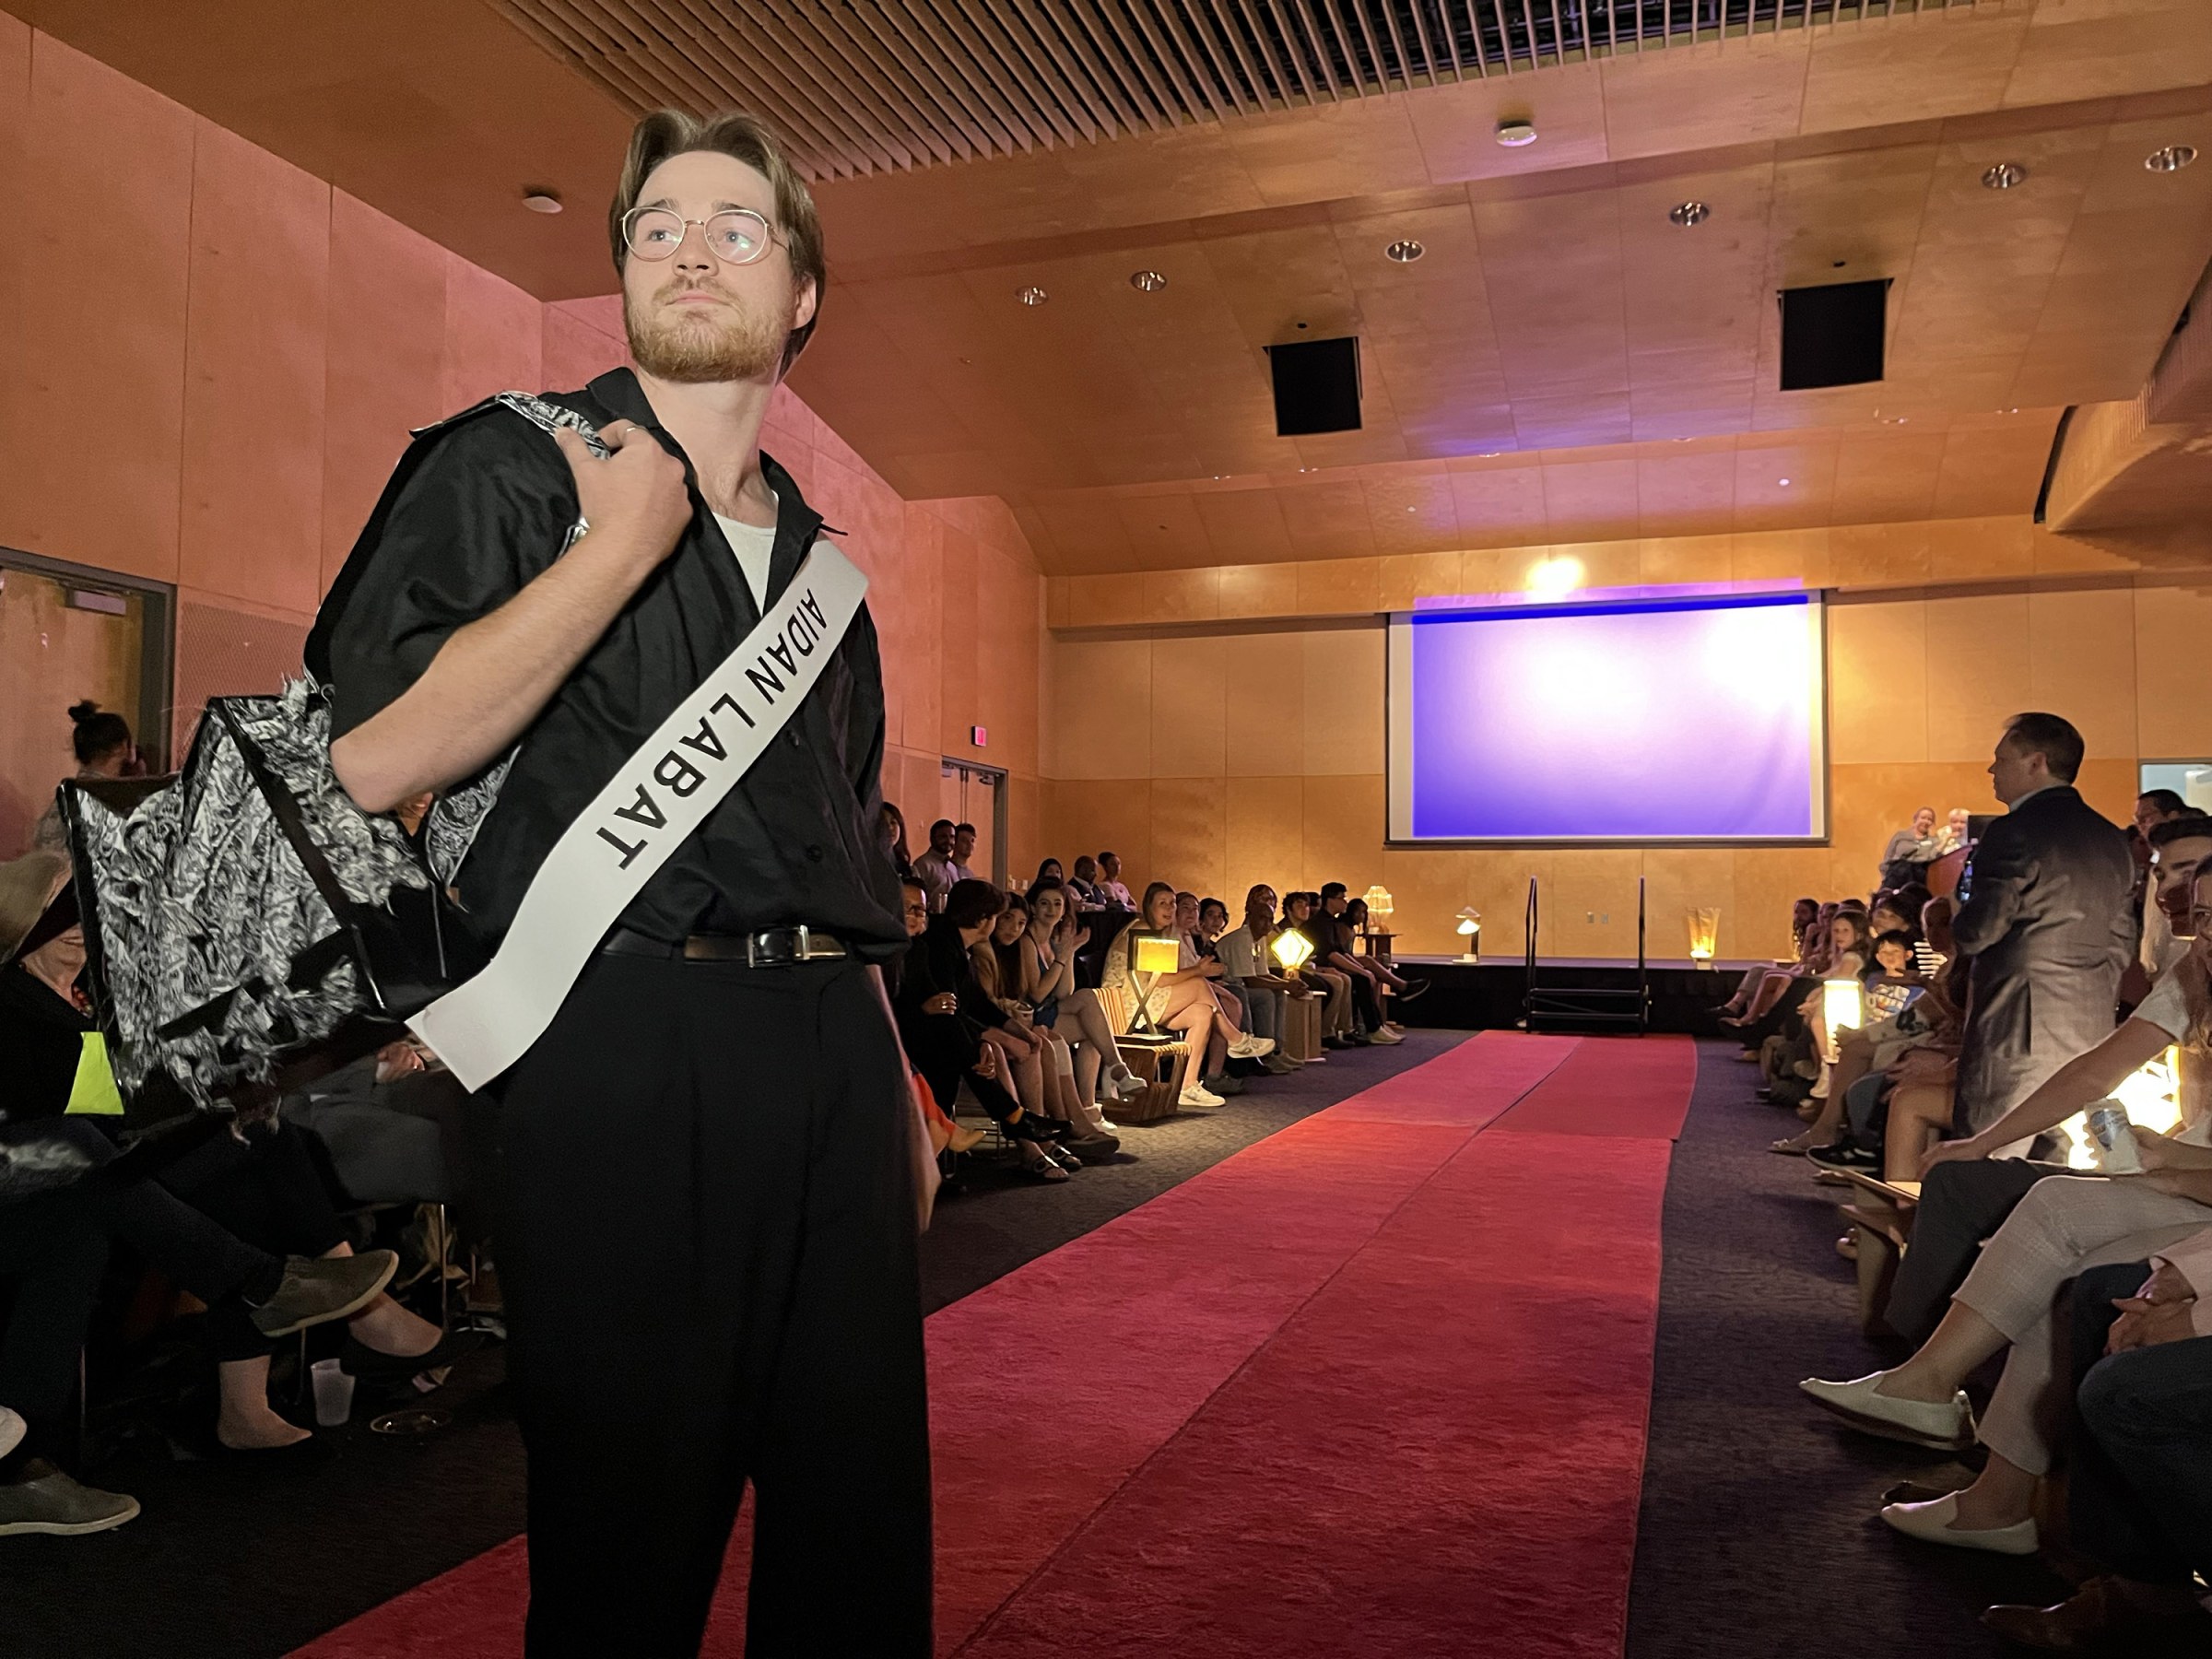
(1618, 722)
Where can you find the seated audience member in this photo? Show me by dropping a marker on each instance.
(2182, 837)
(934, 867)
(257, 1182)
(2008, 1297)
(1238, 950)
(1794, 1015)
(1180, 1001)
(1803, 915)
(2046, 924)
(101, 742)
(890, 828)
(944, 1020)
(396, 1127)
(1957, 831)
(1390, 984)
(1197, 952)
(1084, 883)
(1056, 938)
(946, 1138)
(2139, 1480)
(1044, 1076)
(1338, 1029)
(1910, 851)
(964, 848)
(1110, 891)
(1335, 946)
(1048, 875)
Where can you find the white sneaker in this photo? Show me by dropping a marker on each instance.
(1385, 1035)
(11, 1430)
(1127, 1084)
(1249, 1047)
(1106, 1127)
(1197, 1095)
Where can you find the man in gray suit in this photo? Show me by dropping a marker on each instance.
(2045, 923)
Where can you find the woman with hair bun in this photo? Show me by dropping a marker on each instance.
(101, 739)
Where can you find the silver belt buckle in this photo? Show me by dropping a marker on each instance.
(752, 947)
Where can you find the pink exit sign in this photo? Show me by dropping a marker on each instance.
(979, 735)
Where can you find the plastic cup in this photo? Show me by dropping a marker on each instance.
(333, 1392)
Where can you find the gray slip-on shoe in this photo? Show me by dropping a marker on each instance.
(52, 1502)
(316, 1291)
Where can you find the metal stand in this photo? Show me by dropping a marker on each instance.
(1561, 1005)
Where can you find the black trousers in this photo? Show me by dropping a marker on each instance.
(708, 1247)
(1961, 1204)
(265, 1190)
(2140, 1489)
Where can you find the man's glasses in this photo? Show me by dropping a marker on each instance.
(737, 236)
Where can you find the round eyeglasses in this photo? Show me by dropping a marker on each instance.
(736, 236)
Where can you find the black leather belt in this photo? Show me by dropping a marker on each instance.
(769, 948)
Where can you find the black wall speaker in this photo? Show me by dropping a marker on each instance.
(1316, 386)
(1832, 336)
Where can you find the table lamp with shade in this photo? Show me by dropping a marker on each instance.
(1470, 929)
(1153, 956)
(1291, 949)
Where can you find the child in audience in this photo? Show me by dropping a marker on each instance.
(1181, 1001)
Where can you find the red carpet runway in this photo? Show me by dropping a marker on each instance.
(1376, 1384)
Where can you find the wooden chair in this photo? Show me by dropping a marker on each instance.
(1156, 1062)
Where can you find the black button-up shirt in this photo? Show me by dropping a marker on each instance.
(482, 504)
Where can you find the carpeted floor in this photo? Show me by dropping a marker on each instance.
(229, 1562)
(1758, 1534)
(1310, 1402)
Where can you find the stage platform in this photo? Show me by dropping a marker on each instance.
(1488, 995)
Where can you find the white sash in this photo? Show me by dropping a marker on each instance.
(653, 803)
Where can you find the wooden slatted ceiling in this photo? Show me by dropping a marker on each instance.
(874, 85)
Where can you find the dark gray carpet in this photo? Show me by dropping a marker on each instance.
(1758, 1534)
(231, 1562)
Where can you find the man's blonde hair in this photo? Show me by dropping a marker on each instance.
(745, 139)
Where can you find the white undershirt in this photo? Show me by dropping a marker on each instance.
(754, 547)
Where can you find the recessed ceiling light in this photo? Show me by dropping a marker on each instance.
(1405, 252)
(2004, 176)
(1513, 133)
(1147, 282)
(2172, 158)
(1687, 214)
(1032, 296)
(541, 201)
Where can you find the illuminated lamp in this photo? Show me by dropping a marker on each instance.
(1154, 957)
(1291, 949)
(1704, 933)
(1843, 1008)
(2151, 1095)
(1470, 929)
(1378, 902)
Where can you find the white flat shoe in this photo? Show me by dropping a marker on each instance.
(1385, 1035)
(11, 1430)
(1945, 1427)
(1198, 1096)
(1249, 1047)
(1931, 1523)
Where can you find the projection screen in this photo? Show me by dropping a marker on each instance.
(1693, 719)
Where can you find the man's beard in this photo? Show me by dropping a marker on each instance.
(702, 344)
